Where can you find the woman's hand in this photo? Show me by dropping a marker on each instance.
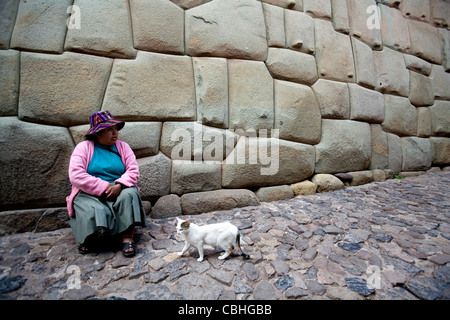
(113, 191)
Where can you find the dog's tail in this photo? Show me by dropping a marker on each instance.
(238, 244)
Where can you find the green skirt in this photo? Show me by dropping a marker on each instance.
(97, 215)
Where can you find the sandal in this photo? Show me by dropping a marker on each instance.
(128, 246)
(83, 249)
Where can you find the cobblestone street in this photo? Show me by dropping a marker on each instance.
(384, 240)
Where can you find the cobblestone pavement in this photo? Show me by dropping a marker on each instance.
(388, 240)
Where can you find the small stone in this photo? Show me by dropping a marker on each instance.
(396, 277)
(440, 259)
(241, 287)
(442, 274)
(353, 247)
(425, 288)
(295, 292)
(332, 229)
(83, 293)
(310, 254)
(344, 177)
(221, 276)
(315, 287)
(381, 237)
(351, 238)
(284, 282)
(265, 291)
(8, 284)
(360, 286)
(281, 267)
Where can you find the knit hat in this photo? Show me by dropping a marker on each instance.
(102, 120)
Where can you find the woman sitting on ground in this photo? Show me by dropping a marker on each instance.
(104, 200)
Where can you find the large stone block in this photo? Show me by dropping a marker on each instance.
(8, 14)
(250, 95)
(267, 162)
(395, 152)
(158, 25)
(304, 188)
(299, 31)
(105, 29)
(211, 86)
(188, 4)
(289, 4)
(440, 82)
(9, 82)
(318, 8)
(345, 146)
(417, 154)
(423, 122)
(167, 207)
(274, 17)
(420, 90)
(361, 177)
(392, 75)
(61, 89)
(276, 193)
(229, 29)
(218, 200)
(41, 26)
(416, 9)
(143, 137)
(297, 113)
(394, 29)
(192, 176)
(152, 87)
(400, 116)
(440, 149)
(34, 164)
(416, 64)
(364, 65)
(327, 182)
(380, 148)
(339, 13)
(332, 46)
(446, 47)
(365, 105)
(360, 17)
(192, 141)
(293, 66)
(333, 98)
(426, 42)
(440, 13)
(440, 118)
(154, 179)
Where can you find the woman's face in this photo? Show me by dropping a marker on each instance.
(108, 136)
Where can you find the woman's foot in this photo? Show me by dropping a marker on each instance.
(128, 247)
(83, 249)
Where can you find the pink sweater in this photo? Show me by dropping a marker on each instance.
(82, 181)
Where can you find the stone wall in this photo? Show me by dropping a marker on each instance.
(258, 93)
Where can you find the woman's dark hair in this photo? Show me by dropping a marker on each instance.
(91, 137)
